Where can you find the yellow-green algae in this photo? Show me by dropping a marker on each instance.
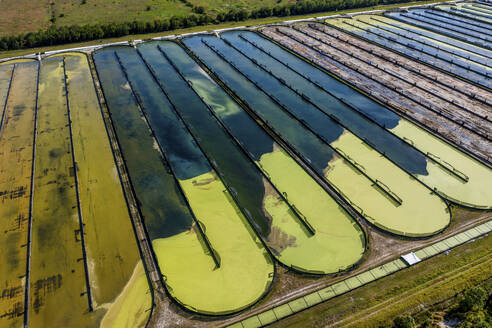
(216, 290)
(131, 309)
(338, 241)
(473, 191)
(16, 142)
(15, 61)
(111, 245)
(57, 295)
(368, 193)
(245, 271)
(403, 205)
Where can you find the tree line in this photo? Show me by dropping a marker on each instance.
(56, 35)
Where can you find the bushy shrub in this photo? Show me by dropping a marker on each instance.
(404, 322)
(473, 299)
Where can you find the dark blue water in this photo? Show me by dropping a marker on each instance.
(397, 150)
(308, 146)
(235, 167)
(391, 34)
(465, 13)
(434, 48)
(320, 123)
(466, 21)
(438, 37)
(164, 210)
(458, 33)
(184, 156)
(465, 26)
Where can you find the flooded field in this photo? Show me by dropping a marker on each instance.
(18, 101)
(58, 145)
(199, 176)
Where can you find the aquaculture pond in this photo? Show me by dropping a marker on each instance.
(63, 194)
(332, 152)
(208, 281)
(248, 160)
(292, 225)
(468, 34)
(17, 111)
(457, 56)
(437, 164)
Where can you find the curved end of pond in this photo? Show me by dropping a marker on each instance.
(424, 223)
(315, 235)
(327, 251)
(476, 192)
(195, 283)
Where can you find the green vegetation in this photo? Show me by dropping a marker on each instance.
(16, 142)
(404, 322)
(470, 309)
(474, 308)
(246, 270)
(267, 20)
(55, 34)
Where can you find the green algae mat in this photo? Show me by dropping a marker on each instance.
(83, 264)
(18, 101)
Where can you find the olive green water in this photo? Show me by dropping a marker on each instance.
(16, 144)
(58, 292)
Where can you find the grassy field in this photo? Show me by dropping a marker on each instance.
(44, 14)
(16, 141)
(409, 291)
(34, 10)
